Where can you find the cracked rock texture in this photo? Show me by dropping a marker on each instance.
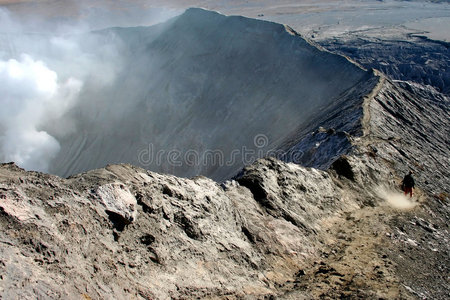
(277, 230)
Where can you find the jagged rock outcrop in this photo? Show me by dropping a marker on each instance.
(188, 238)
(277, 230)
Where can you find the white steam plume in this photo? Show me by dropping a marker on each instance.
(30, 95)
(39, 86)
(48, 67)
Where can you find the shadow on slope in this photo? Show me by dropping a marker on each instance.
(204, 94)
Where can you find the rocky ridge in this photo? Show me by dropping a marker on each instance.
(278, 230)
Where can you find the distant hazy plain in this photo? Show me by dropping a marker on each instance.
(315, 19)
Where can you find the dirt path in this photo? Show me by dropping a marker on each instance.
(356, 262)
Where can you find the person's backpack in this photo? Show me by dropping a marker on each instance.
(408, 181)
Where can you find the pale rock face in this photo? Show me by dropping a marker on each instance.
(21, 208)
(118, 199)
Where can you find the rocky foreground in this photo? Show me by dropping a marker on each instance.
(278, 230)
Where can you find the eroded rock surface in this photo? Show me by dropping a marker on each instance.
(278, 230)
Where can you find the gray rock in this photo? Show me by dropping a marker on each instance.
(206, 93)
(277, 230)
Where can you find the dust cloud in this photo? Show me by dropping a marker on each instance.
(395, 199)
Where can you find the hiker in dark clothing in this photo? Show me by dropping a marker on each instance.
(408, 184)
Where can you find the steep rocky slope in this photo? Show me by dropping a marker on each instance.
(199, 89)
(279, 230)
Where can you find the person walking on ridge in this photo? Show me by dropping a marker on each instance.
(408, 184)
